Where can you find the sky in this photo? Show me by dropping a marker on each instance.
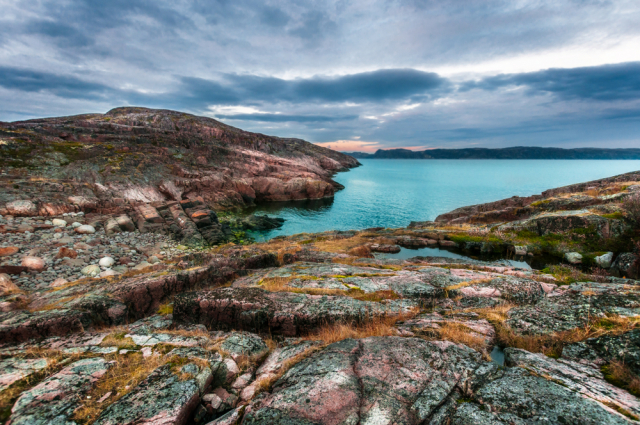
(356, 75)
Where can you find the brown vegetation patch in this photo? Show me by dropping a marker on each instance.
(620, 375)
(118, 339)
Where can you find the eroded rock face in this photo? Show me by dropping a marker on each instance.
(374, 380)
(54, 400)
(285, 313)
(574, 306)
(534, 388)
(162, 398)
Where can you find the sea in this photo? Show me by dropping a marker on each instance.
(394, 192)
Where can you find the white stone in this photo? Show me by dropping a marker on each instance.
(573, 257)
(141, 266)
(107, 262)
(85, 229)
(59, 282)
(75, 224)
(33, 263)
(92, 270)
(153, 259)
(59, 222)
(605, 260)
(108, 272)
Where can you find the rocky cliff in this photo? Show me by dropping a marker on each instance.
(109, 162)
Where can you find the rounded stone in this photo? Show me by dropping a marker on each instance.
(59, 223)
(92, 270)
(573, 257)
(59, 282)
(22, 208)
(85, 229)
(75, 224)
(9, 250)
(6, 285)
(153, 259)
(33, 263)
(605, 260)
(109, 272)
(107, 262)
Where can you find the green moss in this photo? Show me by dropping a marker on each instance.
(613, 216)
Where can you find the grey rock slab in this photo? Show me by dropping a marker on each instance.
(162, 398)
(15, 369)
(53, 401)
(238, 344)
(256, 310)
(534, 389)
(381, 380)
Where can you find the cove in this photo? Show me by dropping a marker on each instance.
(392, 193)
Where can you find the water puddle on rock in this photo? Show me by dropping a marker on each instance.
(406, 253)
(497, 355)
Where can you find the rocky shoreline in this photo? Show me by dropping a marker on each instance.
(162, 312)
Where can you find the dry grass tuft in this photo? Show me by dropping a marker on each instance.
(121, 378)
(620, 375)
(379, 326)
(461, 334)
(118, 339)
(468, 283)
(362, 251)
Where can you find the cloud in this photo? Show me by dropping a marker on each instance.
(606, 82)
(66, 86)
(287, 118)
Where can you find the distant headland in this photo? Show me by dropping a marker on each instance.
(517, 152)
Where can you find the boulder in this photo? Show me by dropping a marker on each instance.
(573, 257)
(33, 263)
(604, 260)
(626, 265)
(244, 344)
(22, 208)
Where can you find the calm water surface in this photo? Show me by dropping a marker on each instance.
(392, 193)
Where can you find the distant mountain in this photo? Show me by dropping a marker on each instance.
(517, 152)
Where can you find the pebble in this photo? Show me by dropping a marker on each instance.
(91, 270)
(85, 229)
(153, 259)
(59, 282)
(33, 263)
(59, 223)
(107, 262)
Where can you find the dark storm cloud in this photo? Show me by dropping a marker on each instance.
(26, 80)
(375, 86)
(606, 82)
(287, 118)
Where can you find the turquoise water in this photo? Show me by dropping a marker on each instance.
(392, 193)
